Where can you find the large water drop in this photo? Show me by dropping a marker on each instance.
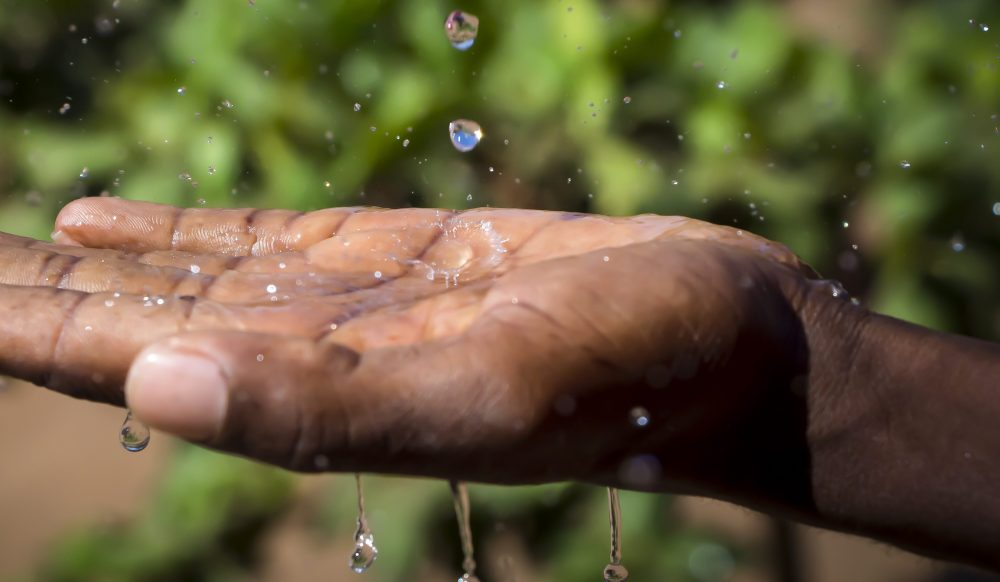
(365, 552)
(465, 134)
(134, 435)
(461, 29)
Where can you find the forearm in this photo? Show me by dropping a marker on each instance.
(904, 435)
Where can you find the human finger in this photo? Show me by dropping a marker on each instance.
(81, 343)
(142, 227)
(316, 407)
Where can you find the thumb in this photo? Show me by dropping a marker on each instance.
(273, 398)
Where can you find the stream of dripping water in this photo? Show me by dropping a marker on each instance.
(460, 494)
(134, 434)
(365, 552)
(614, 571)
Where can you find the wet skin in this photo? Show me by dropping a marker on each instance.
(512, 346)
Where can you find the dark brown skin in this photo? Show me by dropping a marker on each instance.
(761, 385)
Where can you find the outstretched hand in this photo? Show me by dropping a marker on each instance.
(492, 345)
(515, 346)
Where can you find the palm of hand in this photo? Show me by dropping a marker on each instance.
(388, 340)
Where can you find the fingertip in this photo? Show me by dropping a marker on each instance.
(181, 392)
(114, 223)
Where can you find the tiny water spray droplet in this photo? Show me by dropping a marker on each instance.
(460, 494)
(134, 435)
(614, 571)
(365, 552)
(465, 134)
(461, 28)
(639, 417)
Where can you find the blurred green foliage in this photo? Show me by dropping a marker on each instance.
(865, 135)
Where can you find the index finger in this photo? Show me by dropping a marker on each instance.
(142, 227)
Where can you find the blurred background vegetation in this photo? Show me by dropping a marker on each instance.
(863, 134)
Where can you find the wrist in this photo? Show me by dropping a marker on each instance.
(902, 440)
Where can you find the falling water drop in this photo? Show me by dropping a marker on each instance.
(614, 571)
(365, 552)
(460, 494)
(134, 435)
(461, 29)
(465, 134)
(85, 173)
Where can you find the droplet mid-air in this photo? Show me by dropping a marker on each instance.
(134, 435)
(461, 29)
(465, 134)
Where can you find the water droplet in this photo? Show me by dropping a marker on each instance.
(465, 134)
(357, 107)
(984, 27)
(720, 85)
(904, 164)
(272, 288)
(639, 417)
(228, 104)
(365, 552)
(461, 29)
(85, 173)
(835, 288)
(65, 107)
(181, 90)
(626, 100)
(134, 435)
(460, 494)
(614, 571)
(957, 242)
(996, 209)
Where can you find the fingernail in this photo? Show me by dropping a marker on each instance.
(180, 393)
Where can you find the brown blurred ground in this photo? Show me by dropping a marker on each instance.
(63, 469)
